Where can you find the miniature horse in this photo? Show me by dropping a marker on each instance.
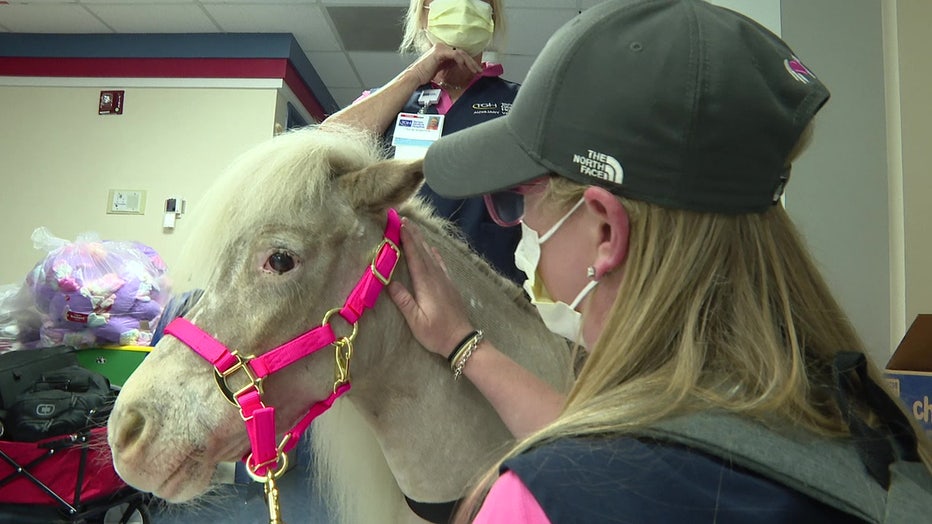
(282, 240)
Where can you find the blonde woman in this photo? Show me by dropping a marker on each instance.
(448, 79)
(723, 382)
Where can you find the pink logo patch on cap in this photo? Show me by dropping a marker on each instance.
(797, 70)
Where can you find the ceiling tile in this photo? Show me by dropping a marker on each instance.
(50, 18)
(308, 23)
(311, 2)
(151, 18)
(378, 68)
(334, 69)
(136, 2)
(565, 4)
(366, 2)
(368, 28)
(529, 29)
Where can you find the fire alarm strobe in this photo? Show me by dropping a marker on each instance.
(111, 103)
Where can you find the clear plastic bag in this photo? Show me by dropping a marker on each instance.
(97, 292)
(19, 319)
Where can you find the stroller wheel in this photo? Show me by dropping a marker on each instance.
(127, 513)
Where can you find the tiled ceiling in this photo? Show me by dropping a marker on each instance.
(347, 66)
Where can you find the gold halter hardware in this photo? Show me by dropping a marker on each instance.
(268, 480)
(248, 381)
(343, 351)
(271, 500)
(384, 279)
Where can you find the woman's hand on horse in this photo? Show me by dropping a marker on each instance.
(433, 307)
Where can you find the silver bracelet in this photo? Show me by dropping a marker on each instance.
(463, 354)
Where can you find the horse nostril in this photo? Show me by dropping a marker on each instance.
(131, 428)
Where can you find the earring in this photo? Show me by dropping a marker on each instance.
(590, 272)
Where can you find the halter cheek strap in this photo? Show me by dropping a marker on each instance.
(267, 459)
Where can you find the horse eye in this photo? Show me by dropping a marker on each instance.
(280, 262)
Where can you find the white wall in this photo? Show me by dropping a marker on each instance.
(59, 159)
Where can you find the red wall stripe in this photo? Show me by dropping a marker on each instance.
(144, 67)
(166, 68)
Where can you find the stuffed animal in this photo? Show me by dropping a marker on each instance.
(99, 292)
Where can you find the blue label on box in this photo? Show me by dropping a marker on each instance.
(915, 390)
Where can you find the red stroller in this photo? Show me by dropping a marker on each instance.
(68, 478)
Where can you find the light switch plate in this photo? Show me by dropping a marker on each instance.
(126, 202)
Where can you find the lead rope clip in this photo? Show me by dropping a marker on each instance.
(271, 500)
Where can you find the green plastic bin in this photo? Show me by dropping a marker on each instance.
(116, 363)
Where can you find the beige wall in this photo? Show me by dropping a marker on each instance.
(59, 159)
(838, 193)
(862, 193)
(915, 86)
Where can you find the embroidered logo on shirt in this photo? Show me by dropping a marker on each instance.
(486, 108)
(599, 165)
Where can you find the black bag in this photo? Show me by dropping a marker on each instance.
(20, 369)
(60, 402)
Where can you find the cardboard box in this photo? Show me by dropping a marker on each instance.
(909, 371)
(116, 363)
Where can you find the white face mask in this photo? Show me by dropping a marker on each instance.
(463, 24)
(559, 317)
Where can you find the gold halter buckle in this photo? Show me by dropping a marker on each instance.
(242, 364)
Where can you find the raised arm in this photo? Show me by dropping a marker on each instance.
(376, 112)
(437, 318)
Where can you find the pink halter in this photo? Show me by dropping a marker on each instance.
(266, 455)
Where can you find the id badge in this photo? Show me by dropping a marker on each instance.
(414, 133)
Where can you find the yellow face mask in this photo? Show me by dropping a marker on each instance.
(463, 24)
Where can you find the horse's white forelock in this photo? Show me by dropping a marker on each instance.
(262, 184)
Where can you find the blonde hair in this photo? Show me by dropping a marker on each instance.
(414, 39)
(714, 311)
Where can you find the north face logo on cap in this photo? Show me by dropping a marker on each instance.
(599, 165)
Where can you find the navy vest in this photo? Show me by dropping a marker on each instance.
(629, 480)
(487, 98)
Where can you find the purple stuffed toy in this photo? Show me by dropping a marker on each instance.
(94, 292)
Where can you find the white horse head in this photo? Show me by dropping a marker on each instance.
(285, 235)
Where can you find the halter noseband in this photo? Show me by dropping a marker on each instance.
(267, 459)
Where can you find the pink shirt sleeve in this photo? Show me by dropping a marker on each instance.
(364, 94)
(509, 502)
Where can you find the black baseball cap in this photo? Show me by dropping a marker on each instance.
(676, 102)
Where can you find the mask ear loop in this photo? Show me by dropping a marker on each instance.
(583, 293)
(543, 238)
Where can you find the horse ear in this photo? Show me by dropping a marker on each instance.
(383, 184)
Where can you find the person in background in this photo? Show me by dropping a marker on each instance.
(449, 78)
(644, 160)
